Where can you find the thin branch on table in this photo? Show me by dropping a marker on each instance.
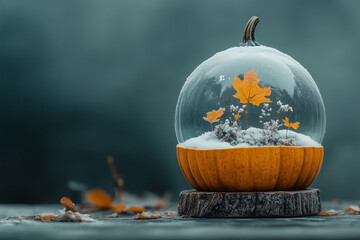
(118, 181)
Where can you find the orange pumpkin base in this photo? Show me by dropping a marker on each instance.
(275, 168)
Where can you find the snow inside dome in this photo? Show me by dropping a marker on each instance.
(249, 95)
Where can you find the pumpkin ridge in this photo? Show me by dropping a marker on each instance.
(321, 161)
(213, 174)
(219, 182)
(305, 183)
(251, 170)
(203, 169)
(218, 161)
(180, 164)
(319, 157)
(292, 186)
(294, 154)
(295, 186)
(198, 165)
(280, 165)
(193, 182)
(193, 171)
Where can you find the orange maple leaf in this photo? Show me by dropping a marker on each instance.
(237, 117)
(294, 125)
(102, 200)
(136, 209)
(248, 90)
(214, 116)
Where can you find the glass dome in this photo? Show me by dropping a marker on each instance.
(250, 85)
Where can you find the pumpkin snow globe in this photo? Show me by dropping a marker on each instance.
(250, 118)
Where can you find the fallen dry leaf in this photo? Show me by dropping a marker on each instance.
(119, 208)
(353, 209)
(99, 197)
(46, 217)
(70, 216)
(330, 212)
(68, 204)
(147, 216)
(170, 213)
(102, 200)
(136, 209)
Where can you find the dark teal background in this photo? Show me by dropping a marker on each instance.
(83, 79)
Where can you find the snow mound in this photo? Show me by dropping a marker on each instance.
(252, 137)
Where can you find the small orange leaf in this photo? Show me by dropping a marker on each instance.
(237, 117)
(147, 215)
(330, 212)
(249, 91)
(289, 125)
(68, 204)
(119, 208)
(170, 213)
(353, 209)
(100, 198)
(136, 209)
(46, 217)
(213, 116)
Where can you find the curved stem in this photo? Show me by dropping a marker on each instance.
(249, 32)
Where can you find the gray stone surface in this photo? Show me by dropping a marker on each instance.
(249, 204)
(315, 227)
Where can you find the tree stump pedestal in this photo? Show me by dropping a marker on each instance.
(300, 203)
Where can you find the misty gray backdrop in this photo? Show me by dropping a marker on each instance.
(83, 79)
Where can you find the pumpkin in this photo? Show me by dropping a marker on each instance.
(250, 169)
(234, 85)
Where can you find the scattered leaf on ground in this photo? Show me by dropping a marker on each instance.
(70, 216)
(102, 200)
(136, 209)
(147, 215)
(353, 209)
(170, 213)
(330, 212)
(99, 197)
(68, 204)
(119, 208)
(46, 217)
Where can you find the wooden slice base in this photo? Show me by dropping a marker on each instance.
(249, 204)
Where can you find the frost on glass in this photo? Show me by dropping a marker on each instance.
(210, 87)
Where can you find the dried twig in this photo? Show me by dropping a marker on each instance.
(118, 181)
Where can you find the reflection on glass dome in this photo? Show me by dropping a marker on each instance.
(249, 95)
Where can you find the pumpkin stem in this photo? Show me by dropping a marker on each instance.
(249, 32)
